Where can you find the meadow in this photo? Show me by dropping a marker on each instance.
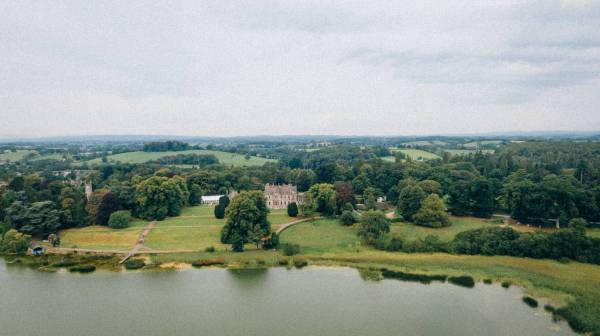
(414, 154)
(15, 156)
(231, 159)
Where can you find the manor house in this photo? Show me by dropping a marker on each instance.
(280, 195)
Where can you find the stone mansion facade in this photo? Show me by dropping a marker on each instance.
(280, 195)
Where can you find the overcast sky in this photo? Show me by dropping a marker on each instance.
(219, 68)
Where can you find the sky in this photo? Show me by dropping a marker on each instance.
(227, 68)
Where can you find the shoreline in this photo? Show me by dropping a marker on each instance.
(549, 281)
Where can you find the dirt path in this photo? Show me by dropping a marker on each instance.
(140, 242)
(287, 225)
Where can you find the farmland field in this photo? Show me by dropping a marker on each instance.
(416, 154)
(224, 157)
(16, 156)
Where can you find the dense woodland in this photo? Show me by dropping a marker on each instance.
(539, 182)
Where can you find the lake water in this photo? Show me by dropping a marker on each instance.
(311, 301)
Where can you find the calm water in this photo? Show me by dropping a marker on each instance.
(312, 301)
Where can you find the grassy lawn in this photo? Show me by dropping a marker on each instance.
(319, 236)
(15, 156)
(409, 231)
(100, 238)
(224, 157)
(197, 229)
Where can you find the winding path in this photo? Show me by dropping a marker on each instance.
(287, 225)
(140, 242)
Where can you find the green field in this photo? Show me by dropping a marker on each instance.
(409, 231)
(195, 229)
(15, 156)
(100, 238)
(224, 157)
(320, 236)
(416, 154)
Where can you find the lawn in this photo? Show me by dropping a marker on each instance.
(197, 229)
(409, 231)
(319, 236)
(100, 238)
(15, 156)
(224, 157)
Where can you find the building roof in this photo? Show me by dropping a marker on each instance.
(211, 198)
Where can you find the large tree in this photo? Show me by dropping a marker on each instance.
(37, 219)
(159, 196)
(320, 198)
(410, 201)
(432, 212)
(373, 225)
(246, 220)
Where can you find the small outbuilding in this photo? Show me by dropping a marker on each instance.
(35, 249)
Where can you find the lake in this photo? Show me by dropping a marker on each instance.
(276, 301)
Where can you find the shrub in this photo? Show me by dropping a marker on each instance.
(272, 242)
(531, 302)
(487, 281)
(422, 278)
(464, 281)
(292, 209)
(506, 284)
(290, 249)
(119, 219)
(220, 211)
(64, 263)
(392, 244)
(299, 263)
(210, 249)
(283, 262)
(347, 217)
(83, 268)
(133, 264)
(207, 262)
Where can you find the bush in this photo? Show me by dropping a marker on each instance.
(210, 249)
(292, 209)
(220, 211)
(347, 217)
(506, 284)
(207, 262)
(464, 281)
(83, 268)
(487, 281)
(300, 263)
(133, 264)
(119, 219)
(392, 244)
(422, 278)
(531, 302)
(64, 263)
(272, 242)
(290, 249)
